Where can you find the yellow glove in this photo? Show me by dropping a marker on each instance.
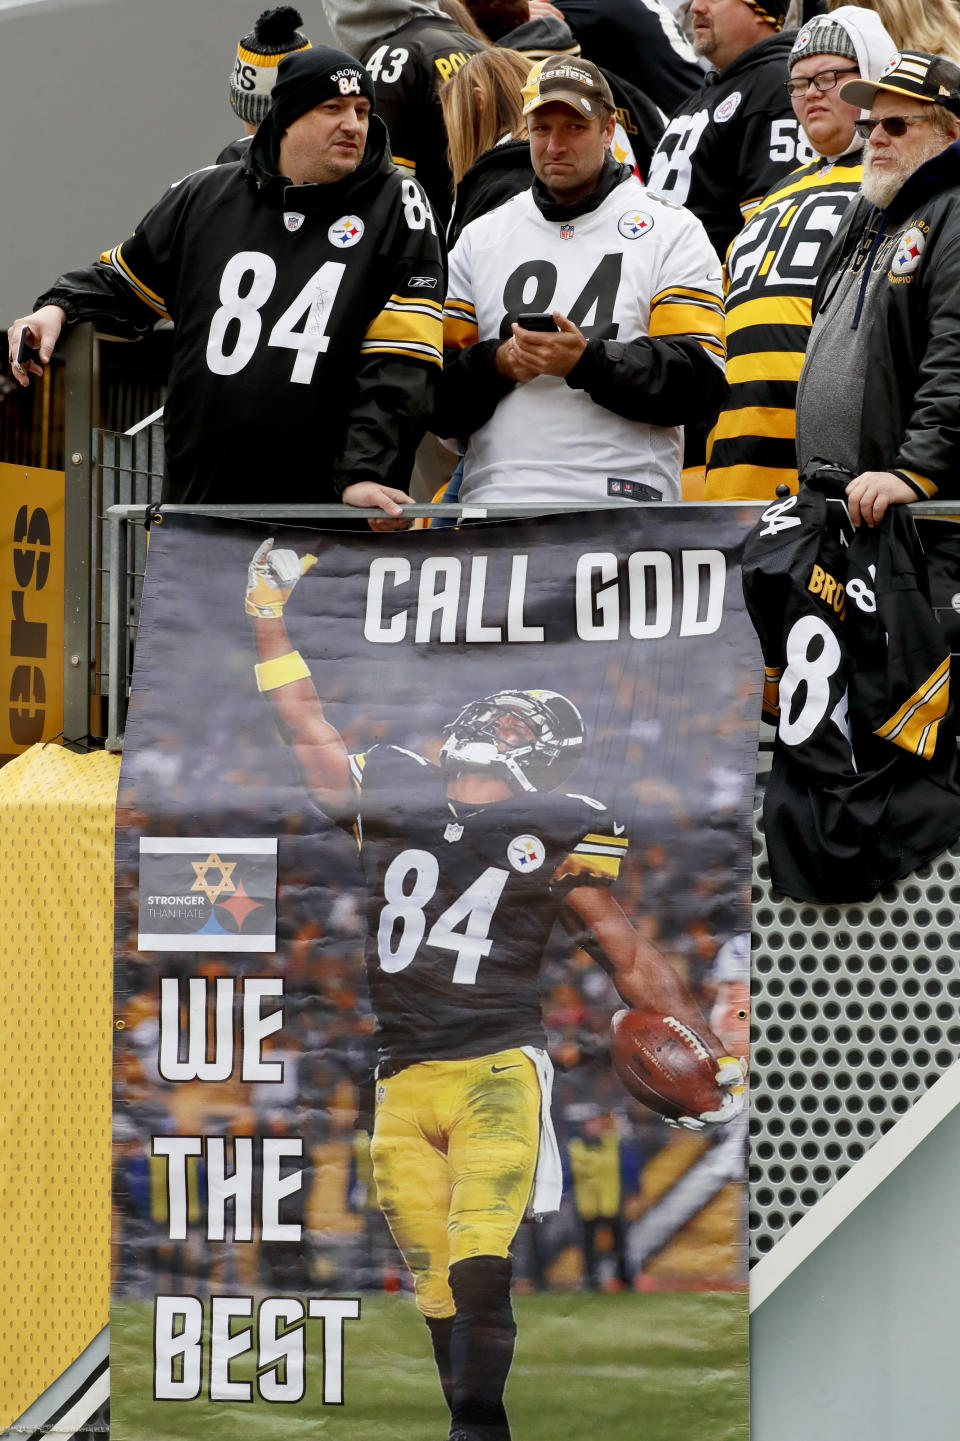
(271, 576)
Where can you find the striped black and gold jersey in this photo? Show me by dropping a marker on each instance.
(772, 268)
(308, 326)
(461, 903)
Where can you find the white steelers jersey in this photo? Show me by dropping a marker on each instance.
(637, 266)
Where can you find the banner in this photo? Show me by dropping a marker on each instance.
(403, 821)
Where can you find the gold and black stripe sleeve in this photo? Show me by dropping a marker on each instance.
(683, 310)
(410, 325)
(459, 324)
(116, 260)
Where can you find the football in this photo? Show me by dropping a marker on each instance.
(664, 1063)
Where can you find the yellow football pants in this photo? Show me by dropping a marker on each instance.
(454, 1157)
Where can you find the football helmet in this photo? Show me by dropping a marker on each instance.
(534, 736)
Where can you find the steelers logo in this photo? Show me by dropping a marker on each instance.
(526, 853)
(727, 107)
(345, 232)
(909, 252)
(634, 224)
(802, 41)
(891, 65)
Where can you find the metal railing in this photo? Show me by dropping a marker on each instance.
(98, 389)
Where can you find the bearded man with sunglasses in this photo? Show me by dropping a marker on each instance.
(879, 392)
(774, 263)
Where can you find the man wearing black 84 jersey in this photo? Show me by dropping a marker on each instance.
(306, 286)
(467, 864)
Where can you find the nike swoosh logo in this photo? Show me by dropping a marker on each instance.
(618, 830)
(497, 1069)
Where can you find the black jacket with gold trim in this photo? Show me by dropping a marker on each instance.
(910, 422)
(308, 330)
(864, 783)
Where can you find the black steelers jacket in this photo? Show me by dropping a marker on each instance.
(307, 326)
(407, 68)
(731, 140)
(911, 400)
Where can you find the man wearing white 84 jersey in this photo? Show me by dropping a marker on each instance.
(585, 401)
(467, 866)
(306, 286)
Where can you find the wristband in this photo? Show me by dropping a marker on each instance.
(282, 670)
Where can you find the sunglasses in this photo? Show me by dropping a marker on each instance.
(823, 80)
(896, 126)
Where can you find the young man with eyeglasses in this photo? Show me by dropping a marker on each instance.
(774, 263)
(878, 393)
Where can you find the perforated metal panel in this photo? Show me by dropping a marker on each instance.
(855, 1013)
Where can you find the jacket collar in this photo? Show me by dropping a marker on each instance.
(612, 175)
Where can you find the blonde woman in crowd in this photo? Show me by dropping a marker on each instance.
(486, 134)
(932, 26)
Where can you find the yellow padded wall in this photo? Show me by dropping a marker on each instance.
(56, 925)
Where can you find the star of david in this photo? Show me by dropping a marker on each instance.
(214, 891)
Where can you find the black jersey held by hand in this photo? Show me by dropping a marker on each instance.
(864, 786)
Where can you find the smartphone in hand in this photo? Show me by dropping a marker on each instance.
(527, 320)
(25, 351)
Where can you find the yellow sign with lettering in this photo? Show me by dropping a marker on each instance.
(31, 593)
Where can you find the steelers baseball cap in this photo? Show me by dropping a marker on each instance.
(913, 74)
(568, 80)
